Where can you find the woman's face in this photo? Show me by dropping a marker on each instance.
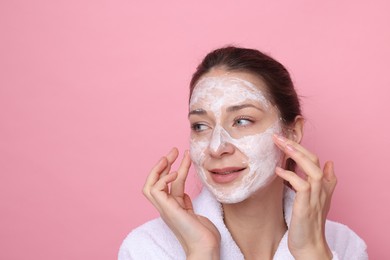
(232, 123)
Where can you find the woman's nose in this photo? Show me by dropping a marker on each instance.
(220, 143)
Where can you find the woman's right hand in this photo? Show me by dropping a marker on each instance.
(165, 190)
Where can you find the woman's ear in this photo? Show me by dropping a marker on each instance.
(295, 132)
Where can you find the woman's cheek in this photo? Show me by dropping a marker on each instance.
(197, 151)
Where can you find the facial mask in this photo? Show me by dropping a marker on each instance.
(213, 94)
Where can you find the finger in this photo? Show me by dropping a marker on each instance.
(177, 187)
(282, 141)
(154, 175)
(159, 170)
(301, 186)
(330, 179)
(188, 203)
(301, 156)
(171, 158)
(330, 182)
(158, 191)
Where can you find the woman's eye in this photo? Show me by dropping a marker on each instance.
(199, 127)
(243, 122)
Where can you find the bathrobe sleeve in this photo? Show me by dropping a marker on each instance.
(345, 243)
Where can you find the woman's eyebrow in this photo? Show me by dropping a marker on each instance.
(198, 111)
(239, 107)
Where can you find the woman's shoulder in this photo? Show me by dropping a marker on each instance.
(345, 242)
(152, 240)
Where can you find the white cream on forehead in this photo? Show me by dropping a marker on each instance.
(214, 94)
(230, 90)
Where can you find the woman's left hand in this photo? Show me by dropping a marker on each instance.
(306, 239)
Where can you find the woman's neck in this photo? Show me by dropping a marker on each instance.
(257, 224)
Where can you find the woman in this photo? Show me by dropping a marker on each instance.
(246, 126)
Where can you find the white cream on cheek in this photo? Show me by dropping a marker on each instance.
(213, 94)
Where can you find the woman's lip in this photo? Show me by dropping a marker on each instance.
(226, 175)
(226, 170)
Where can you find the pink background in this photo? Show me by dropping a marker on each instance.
(92, 93)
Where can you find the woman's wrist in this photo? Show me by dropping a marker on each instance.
(204, 255)
(212, 256)
(319, 253)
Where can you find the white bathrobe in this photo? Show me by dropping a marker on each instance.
(154, 239)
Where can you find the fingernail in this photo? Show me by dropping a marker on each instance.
(278, 170)
(280, 138)
(163, 159)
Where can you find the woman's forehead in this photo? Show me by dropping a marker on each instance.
(226, 90)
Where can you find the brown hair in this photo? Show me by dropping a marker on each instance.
(276, 77)
(280, 87)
